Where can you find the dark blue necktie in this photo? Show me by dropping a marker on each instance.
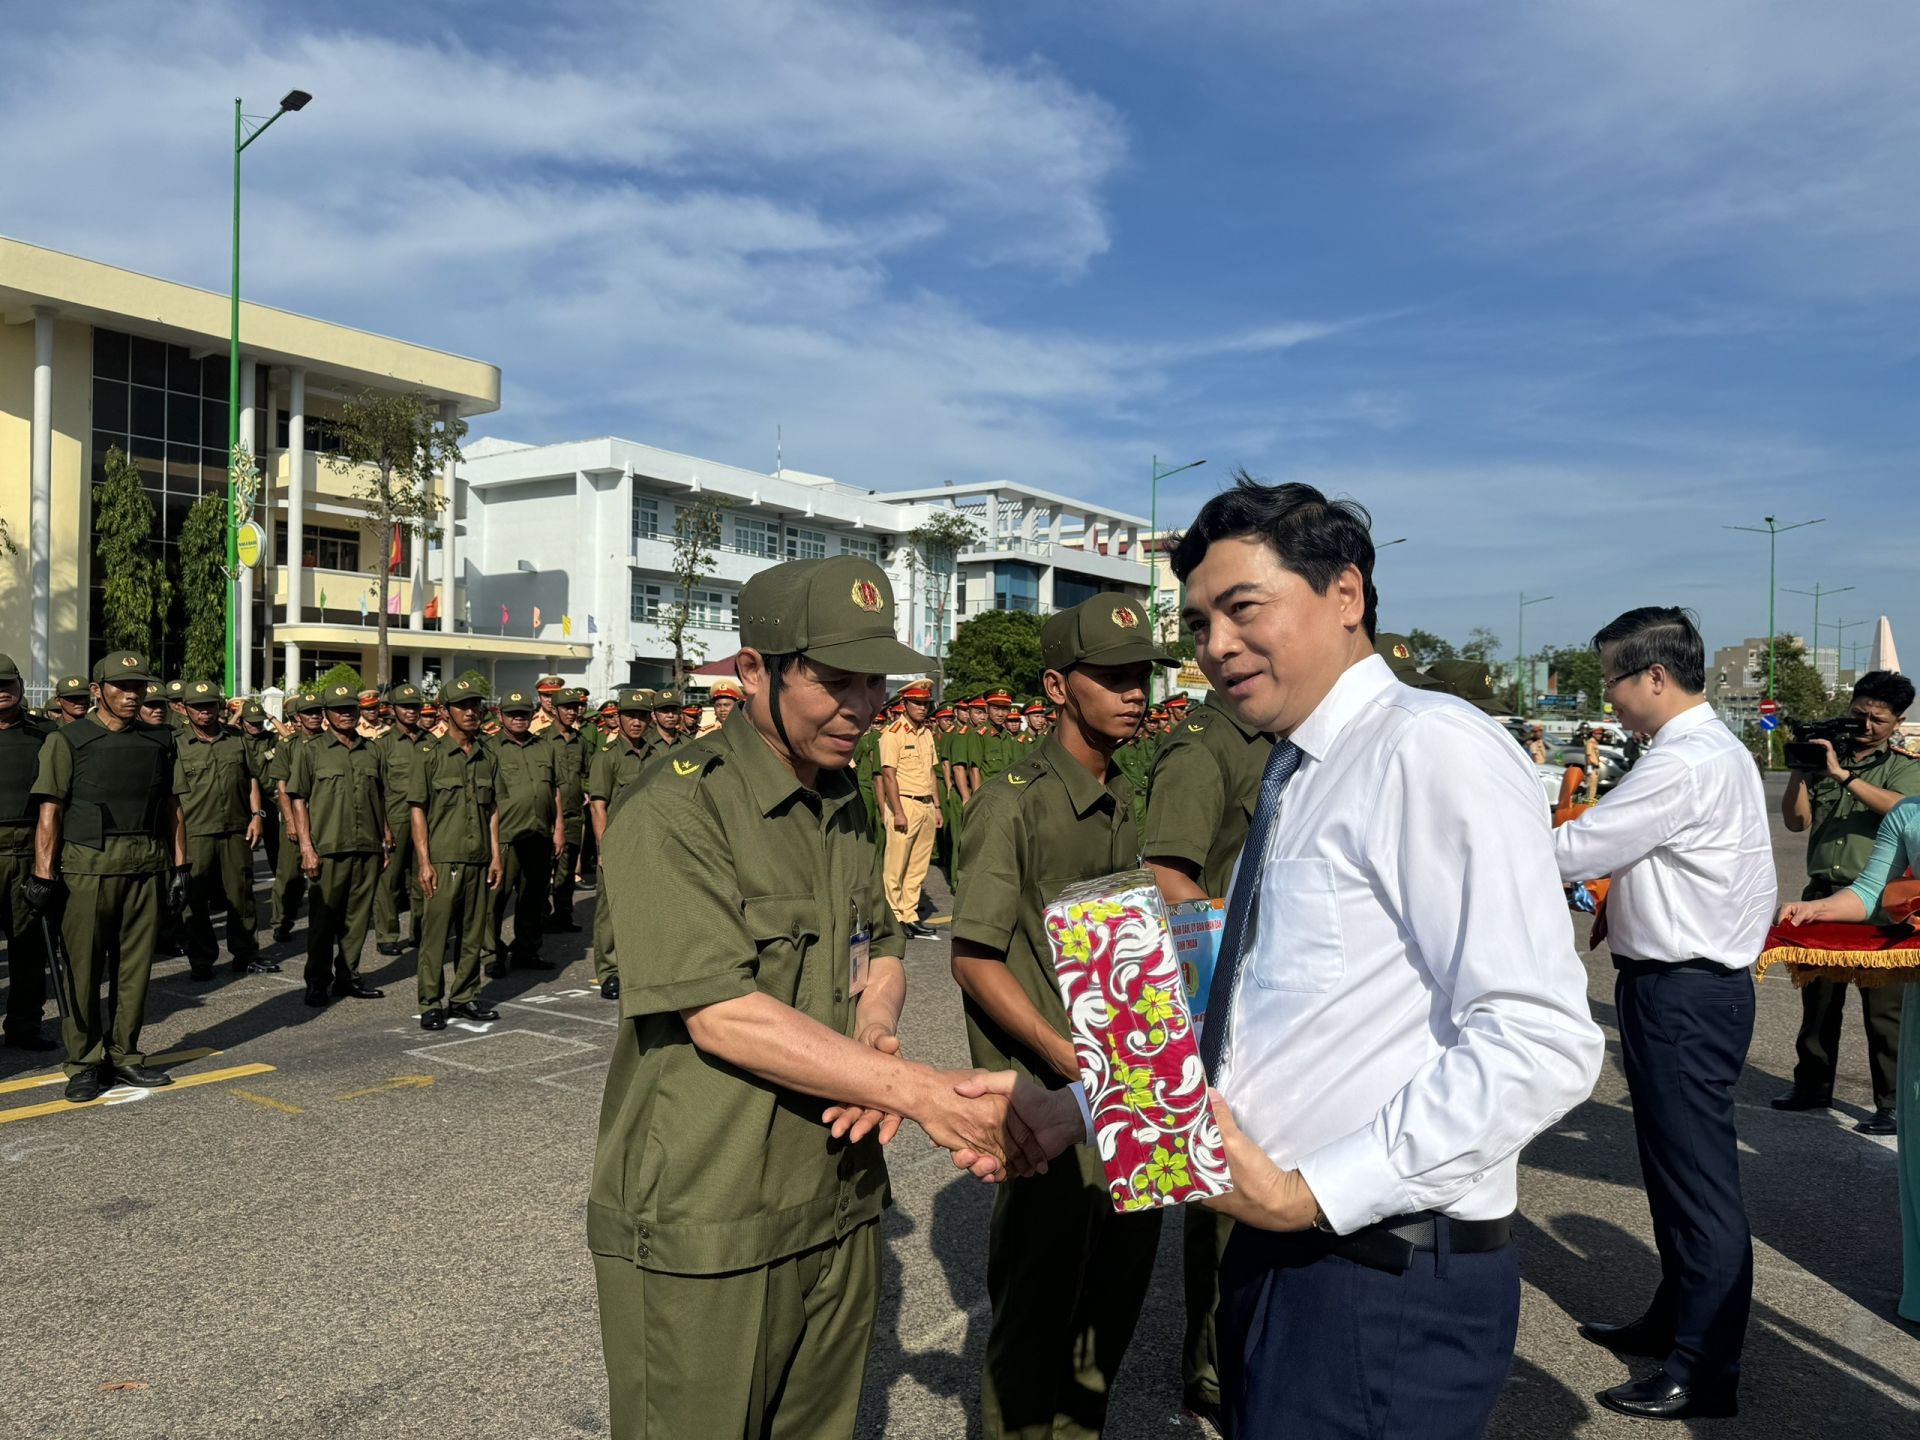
(1243, 905)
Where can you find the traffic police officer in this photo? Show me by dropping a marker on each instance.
(109, 828)
(570, 766)
(340, 813)
(289, 884)
(456, 834)
(531, 834)
(399, 751)
(724, 695)
(1205, 783)
(614, 771)
(548, 690)
(224, 815)
(1066, 1275)
(911, 810)
(21, 736)
(735, 1237)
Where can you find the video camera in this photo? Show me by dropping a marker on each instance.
(1842, 732)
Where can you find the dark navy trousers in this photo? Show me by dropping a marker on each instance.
(1321, 1348)
(1683, 1042)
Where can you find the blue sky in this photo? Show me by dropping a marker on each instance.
(1558, 290)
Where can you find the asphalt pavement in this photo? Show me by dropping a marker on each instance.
(336, 1225)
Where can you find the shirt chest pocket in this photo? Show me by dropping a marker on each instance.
(785, 929)
(1299, 943)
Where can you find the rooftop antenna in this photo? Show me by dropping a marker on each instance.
(779, 450)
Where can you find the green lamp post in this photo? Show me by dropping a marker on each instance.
(1773, 532)
(1153, 551)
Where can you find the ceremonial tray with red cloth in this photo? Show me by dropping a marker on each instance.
(1853, 954)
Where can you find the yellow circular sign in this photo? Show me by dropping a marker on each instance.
(247, 543)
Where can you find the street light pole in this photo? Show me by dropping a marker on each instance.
(1816, 592)
(1153, 549)
(1520, 651)
(292, 100)
(1773, 532)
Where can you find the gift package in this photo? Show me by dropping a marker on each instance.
(1119, 973)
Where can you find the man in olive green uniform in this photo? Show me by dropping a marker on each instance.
(224, 813)
(456, 834)
(735, 1236)
(340, 816)
(21, 736)
(399, 750)
(74, 697)
(570, 759)
(531, 835)
(665, 716)
(109, 828)
(289, 884)
(614, 771)
(1205, 782)
(263, 742)
(1066, 1275)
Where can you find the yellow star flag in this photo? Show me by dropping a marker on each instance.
(566, 624)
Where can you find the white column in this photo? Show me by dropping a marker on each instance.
(450, 542)
(417, 574)
(244, 674)
(296, 507)
(263, 512)
(243, 662)
(40, 507)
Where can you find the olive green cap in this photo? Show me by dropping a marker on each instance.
(71, 687)
(253, 713)
(462, 692)
(571, 695)
(405, 695)
(1104, 629)
(200, 692)
(124, 667)
(8, 670)
(176, 689)
(1397, 651)
(1471, 680)
(668, 699)
(838, 611)
(518, 702)
(632, 699)
(340, 697)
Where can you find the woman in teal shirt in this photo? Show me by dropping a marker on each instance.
(1896, 849)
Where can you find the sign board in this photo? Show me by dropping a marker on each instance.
(1769, 707)
(247, 543)
(1769, 722)
(1190, 677)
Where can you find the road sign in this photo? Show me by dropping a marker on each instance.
(1769, 722)
(247, 544)
(1769, 706)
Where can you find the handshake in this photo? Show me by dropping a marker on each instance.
(996, 1124)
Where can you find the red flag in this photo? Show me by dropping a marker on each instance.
(393, 561)
(503, 615)
(433, 608)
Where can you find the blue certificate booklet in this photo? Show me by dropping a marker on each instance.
(1196, 927)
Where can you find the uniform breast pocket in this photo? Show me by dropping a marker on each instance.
(784, 929)
(483, 792)
(1300, 946)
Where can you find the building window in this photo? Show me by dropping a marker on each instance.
(1016, 587)
(759, 538)
(714, 610)
(865, 549)
(1070, 588)
(646, 518)
(803, 544)
(322, 434)
(649, 601)
(331, 549)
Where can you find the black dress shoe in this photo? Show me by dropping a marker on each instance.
(433, 1019)
(391, 948)
(532, 962)
(260, 965)
(1881, 1122)
(1661, 1397)
(32, 1040)
(610, 988)
(1800, 1100)
(145, 1076)
(357, 990)
(474, 1010)
(84, 1087)
(915, 930)
(200, 972)
(1636, 1337)
(282, 933)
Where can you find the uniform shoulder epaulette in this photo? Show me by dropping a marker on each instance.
(1903, 750)
(1196, 722)
(1026, 772)
(688, 762)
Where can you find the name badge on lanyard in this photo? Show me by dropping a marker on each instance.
(859, 958)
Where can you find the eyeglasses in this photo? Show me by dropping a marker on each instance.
(1607, 684)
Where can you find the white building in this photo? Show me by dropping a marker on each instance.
(583, 533)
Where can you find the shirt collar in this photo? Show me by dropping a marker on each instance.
(1691, 718)
(771, 784)
(332, 736)
(1350, 693)
(1083, 791)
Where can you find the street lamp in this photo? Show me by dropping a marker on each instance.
(1520, 651)
(242, 137)
(1773, 532)
(1153, 546)
(1816, 592)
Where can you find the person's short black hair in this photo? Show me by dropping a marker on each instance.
(1889, 687)
(1314, 537)
(1662, 635)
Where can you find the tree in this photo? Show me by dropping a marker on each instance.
(200, 581)
(403, 446)
(133, 580)
(341, 674)
(1428, 647)
(1482, 645)
(478, 682)
(1797, 685)
(696, 530)
(936, 546)
(1578, 671)
(997, 647)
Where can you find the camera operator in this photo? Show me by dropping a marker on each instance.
(1841, 808)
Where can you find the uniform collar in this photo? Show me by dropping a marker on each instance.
(529, 739)
(332, 738)
(194, 736)
(1225, 712)
(1349, 696)
(771, 784)
(1083, 791)
(1691, 718)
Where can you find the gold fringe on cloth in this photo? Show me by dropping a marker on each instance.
(1867, 968)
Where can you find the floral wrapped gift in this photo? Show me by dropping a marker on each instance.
(1119, 974)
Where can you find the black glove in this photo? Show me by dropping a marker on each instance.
(177, 888)
(42, 896)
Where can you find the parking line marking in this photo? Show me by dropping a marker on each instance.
(397, 1082)
(32, 1082)
(267, 1100)
(558, 1014)
(117, 1097)
(28, 1082)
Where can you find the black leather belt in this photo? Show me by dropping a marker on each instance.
(1392, 1244)
(923, 799)
(1627, 964)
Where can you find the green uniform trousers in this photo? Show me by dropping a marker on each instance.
(774, 1353)
(289, 885)
(1066, 1277)
(109, 929)
(337, 921)
(603, 961)
(398, 887)
(526, 878)
(26, 947)
(220, 878)
(457, 912)
(565, 866)
(1203, 1241)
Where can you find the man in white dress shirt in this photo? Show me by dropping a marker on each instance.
(1686, 840)
(1398, 1010)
